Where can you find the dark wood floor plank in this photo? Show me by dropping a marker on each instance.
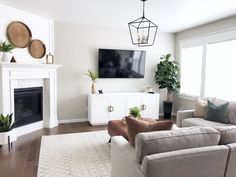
(22, 161)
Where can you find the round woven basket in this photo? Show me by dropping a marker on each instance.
(37, 49)
(19, 34)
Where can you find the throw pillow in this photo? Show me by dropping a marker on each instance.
(200, 108)
(217, 113)
(135, 126)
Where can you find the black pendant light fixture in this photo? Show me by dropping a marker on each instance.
(143, 31)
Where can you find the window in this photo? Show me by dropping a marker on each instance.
(191, 66)
(208, 66)
(220, 79)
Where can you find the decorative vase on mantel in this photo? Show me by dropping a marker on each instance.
(5, 57)
(6, 48)
(93, 88)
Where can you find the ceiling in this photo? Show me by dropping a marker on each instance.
(169, 15)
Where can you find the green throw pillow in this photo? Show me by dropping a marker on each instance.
(217, 113)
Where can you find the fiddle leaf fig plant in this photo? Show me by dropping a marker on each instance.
(6, 123)
(135, 112)
(166, 75)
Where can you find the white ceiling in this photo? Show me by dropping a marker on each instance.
(169, 15)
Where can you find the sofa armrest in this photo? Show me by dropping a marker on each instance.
(181, 115)
(195, 162)
(230, 169)
(123, 161)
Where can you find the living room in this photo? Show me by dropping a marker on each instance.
(64, 57)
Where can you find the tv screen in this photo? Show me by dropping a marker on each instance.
(121, 63)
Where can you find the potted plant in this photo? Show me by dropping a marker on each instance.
(6, 129)
(5, 48)
(166, 76)
(135, 112)
(93, 76)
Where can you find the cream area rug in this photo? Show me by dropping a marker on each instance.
(75, 155)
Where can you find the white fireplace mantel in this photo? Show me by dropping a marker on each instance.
(12, 74)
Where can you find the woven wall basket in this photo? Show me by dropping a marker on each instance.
(19, 34)
(37, 49)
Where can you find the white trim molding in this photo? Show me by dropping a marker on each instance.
(203, 41)
(66, 121)
(80, 120)
(15, 75)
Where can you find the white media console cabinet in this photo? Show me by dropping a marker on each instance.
(112, 106)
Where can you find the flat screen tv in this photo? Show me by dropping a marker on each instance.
(121, 63)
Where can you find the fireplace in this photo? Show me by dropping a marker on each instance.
(28, 105)
(14, 76)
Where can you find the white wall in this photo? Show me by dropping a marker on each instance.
(76, 48)
(41, 28)
(211, 28)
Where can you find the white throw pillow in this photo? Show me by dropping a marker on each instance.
(201, 106)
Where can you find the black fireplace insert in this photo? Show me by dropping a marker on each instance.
(28, 105)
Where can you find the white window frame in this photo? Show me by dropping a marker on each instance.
(203, 41)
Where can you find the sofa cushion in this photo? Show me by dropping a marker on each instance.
(228, 134)
(201, 122)
(200, 107)
(231, 110)
(207, 161)
(230, 168)
(217, 113)
(165, 141)
(135, 126)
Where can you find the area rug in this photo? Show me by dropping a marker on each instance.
(75, 155)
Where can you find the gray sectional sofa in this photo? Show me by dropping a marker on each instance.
(186, 118)
(185, 152)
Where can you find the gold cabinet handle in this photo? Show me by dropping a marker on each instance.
(110, 108)
(143, 107)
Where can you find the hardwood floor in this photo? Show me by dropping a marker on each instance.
(22, 161)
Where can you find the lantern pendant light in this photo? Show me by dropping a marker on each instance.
(143, 31)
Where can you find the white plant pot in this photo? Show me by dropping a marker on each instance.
(5, 57)
(4, 137)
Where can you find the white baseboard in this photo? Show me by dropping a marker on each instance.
(66, 121)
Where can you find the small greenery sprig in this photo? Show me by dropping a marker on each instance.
(6, 123)
(135, 112)
(6, 46)
(93, 76)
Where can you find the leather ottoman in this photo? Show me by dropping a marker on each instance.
(118, 128)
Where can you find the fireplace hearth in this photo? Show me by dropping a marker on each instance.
(28, 105)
